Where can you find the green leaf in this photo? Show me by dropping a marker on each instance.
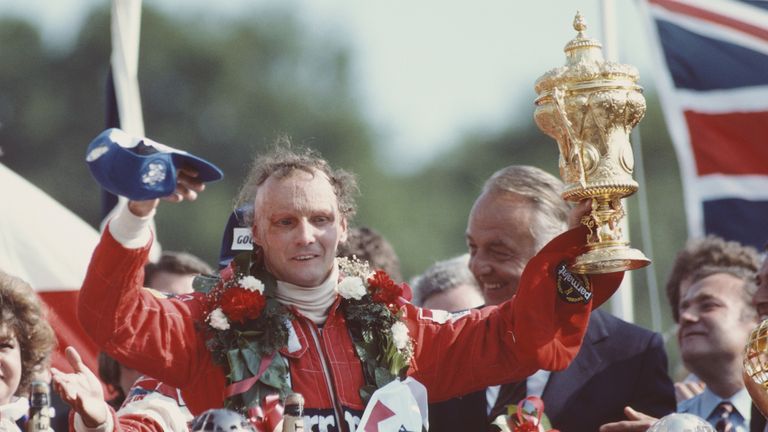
(252, 360)
(366, 392)
(382, 377)
(272, 378)
(253, 395)
(362, 353)
(236, 365)
(280, 366)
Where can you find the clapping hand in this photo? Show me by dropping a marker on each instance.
(81, 390)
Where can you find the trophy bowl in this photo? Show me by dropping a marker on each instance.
(755, 373)
(589, 106)
(756, 355)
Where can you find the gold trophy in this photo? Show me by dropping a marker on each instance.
(590, 106)
(756, 366)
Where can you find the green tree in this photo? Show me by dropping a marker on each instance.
(222, 90)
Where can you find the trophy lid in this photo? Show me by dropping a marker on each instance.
(585, 68)
(582, 48)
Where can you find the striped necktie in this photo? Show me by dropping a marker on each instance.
(721, 415)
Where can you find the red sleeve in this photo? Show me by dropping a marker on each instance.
(153, 335)
(125, 423)
(534, 330)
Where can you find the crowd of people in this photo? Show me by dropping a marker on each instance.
(318, 307)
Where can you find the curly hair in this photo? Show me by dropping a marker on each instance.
(710, 251)
(284, 160)
(22, 315)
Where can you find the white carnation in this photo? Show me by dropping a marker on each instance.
(218, 320)
(400, 335)
(352, 287)
(252, 284)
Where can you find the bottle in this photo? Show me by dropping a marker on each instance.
(39, 407)
(293, 413)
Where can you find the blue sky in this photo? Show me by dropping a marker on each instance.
(427, 71)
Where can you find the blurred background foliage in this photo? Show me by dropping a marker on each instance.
(226, 89)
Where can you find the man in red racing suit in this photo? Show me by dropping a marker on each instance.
(161, 337)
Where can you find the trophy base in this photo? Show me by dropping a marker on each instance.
(609, 258)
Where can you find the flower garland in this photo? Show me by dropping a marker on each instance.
(246, 327)
(371, 307)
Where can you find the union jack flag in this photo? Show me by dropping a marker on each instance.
(712, 63)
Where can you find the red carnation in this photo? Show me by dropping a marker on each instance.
(385, 290)
(239, 304)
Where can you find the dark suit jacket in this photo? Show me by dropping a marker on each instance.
(619, 364)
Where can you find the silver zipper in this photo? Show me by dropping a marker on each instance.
(327, 376)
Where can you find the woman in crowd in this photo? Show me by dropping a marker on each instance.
(26, 342)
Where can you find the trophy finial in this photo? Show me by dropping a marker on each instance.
(578, 22)
(582, 46)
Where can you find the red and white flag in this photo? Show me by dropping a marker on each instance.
(45, 244)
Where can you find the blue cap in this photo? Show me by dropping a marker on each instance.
(139, 168)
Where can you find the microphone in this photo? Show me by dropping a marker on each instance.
(293, 413)
(39, 407)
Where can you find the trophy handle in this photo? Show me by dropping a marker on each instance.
(572, 142)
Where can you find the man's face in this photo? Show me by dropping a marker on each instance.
(715, 322)
(500, 243)
(760, 299)
(298, 225)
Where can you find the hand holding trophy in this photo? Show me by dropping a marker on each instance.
(590, 106)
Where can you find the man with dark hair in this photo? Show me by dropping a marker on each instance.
(708, 251)
(518, 211)
(174, 272)
(256, 333)
(368, 245)
(716, 315)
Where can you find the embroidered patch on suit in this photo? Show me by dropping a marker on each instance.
(571, 287)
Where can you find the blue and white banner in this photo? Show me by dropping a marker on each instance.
(712, 74)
